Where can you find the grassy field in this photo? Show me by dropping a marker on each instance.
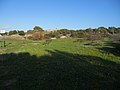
(64, 64)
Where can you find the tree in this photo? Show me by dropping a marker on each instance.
(13, 32)
(81, 34)
(37, 28)
(102, 30)
(112, 30)
(64, 31)
(30, 32)
(22, 33)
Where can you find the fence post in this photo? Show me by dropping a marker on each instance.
(4, 43)
(3, 32)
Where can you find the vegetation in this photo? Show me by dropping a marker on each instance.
(67, 64)
(12, 32)
(37, 28)
(86, 59)
(37, 36)
(96, 33)
(100, 31)
(22, 33)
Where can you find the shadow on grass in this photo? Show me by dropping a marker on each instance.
(57, 71)
(113, 48)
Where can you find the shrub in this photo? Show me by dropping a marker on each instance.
(38, 36)
(30, 37)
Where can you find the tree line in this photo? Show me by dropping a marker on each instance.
(89, 33)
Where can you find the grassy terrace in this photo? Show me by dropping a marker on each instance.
(64, 64)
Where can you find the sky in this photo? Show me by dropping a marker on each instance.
(51, 14)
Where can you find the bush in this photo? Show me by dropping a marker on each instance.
(12, 32)
(38, 36)
(22, 33)
(116, 38)
(30, 37)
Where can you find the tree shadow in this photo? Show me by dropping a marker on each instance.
(57, 71)
(113, 48)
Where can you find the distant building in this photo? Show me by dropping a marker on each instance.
(2, 31)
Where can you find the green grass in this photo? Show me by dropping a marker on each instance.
(61, 65)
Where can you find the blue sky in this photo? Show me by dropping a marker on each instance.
(50, 14)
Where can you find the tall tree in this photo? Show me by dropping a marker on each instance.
(37, 28)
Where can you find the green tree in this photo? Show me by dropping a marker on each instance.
(30, 32)
(102, 30)
(13, 32)
(22, 33)
(112, 30)
(37, 28)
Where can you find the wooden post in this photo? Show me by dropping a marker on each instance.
(4, 43)
(3, 32)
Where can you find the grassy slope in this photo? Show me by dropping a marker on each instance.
(63, 64)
